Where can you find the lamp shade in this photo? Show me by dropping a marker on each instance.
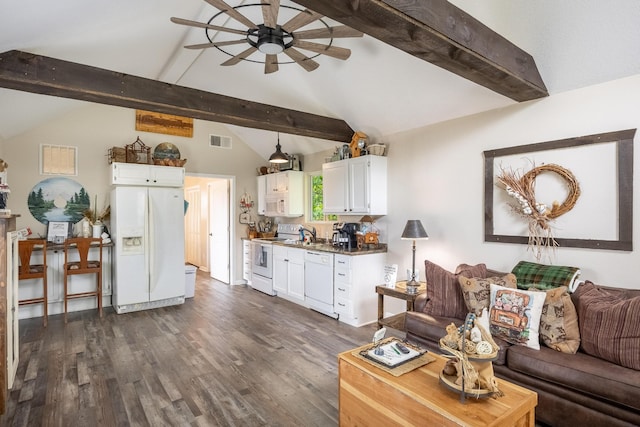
(414, 230)
(278, 156)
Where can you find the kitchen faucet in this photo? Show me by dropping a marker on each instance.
(312, 232)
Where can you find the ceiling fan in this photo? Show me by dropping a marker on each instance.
(271, 38)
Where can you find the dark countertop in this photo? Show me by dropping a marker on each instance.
(327, 247)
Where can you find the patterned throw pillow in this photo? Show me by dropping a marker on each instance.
(515, 315)
(443, 291)
(609, 325)
(475, 290)
(559, 328)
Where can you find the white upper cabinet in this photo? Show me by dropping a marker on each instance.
(281, 194)
(355, 186)
(146, 175)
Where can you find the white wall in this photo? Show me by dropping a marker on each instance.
(96, 128)
(437, 172)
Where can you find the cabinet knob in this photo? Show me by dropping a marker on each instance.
(341, 289)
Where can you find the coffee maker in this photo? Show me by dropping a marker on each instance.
(344, 235)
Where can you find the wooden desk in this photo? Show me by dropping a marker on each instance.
(370, 396)
(400, 292)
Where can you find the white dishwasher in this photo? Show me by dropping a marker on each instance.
(318, 282)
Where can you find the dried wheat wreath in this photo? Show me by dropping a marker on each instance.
(557, 209)
(538, 214)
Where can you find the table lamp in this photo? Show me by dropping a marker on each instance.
(413, 231)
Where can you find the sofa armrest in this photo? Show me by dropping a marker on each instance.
(420, 302)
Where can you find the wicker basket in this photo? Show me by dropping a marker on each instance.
(169, 162)
(376, 149)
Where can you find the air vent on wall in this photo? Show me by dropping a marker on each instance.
(219, 141)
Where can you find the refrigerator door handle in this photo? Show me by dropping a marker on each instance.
(151, 247)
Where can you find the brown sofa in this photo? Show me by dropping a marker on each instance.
(573, 389)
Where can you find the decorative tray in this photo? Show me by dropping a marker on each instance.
(391, 356)
(449, 381)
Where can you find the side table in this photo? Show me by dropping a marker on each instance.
(400, 291)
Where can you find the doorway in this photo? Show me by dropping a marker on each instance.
(208, 225)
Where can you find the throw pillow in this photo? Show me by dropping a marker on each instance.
(515, 315)
(476, 292)
(443, 291)
(609, 325)
(559, 328)
(531, 274)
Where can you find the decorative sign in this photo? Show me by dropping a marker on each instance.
(168, 124)
(390, 275)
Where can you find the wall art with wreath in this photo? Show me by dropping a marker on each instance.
(591, 207)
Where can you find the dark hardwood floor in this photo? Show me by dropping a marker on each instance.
(231, 356)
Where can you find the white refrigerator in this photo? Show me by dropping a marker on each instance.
(147, 228)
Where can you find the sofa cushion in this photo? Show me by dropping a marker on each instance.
(475, 290)
(580, 372)
(541, 276)
(432, 328)
(514, 315)
(559, 321)
(443, 291)
(609, 325)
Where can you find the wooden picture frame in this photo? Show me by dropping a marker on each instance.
(168, 124)
(623, 141)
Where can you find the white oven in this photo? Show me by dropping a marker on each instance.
(262, 258)
(262, 266)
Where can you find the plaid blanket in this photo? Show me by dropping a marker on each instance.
(545, 277)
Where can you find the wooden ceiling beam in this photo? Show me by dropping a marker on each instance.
(444, 35)
(49, 76)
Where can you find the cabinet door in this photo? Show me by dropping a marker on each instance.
(334, 187)
(280, 270)
(129, 174)
(167, 176)
(282, 182)
(359, 185)
(296, 273)
(262, 192)
(272, 183)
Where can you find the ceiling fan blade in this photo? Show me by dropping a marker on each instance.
(216, 44)
(341, 31)
(306, 63)
(270, 13)
(300, 20)
(224, 7)
(239, 57)
(333, 51)
(271, 64)
(209, 26)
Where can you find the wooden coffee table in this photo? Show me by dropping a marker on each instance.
(370, 396)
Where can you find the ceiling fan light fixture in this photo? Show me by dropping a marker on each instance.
(278, 156)
(270, 44)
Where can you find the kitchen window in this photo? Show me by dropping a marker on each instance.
(316, 207)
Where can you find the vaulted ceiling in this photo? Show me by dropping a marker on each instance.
(380, 89)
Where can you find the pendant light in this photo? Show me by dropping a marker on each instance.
(278, 156)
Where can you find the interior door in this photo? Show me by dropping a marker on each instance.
(219, 224)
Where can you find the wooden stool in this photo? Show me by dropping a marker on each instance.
(34, 271)
(84, 266)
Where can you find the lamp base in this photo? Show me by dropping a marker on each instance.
(412, 287)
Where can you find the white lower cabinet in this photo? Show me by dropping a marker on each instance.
(246, 261)
(355, 279)
(288, 273)
(55, 284)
